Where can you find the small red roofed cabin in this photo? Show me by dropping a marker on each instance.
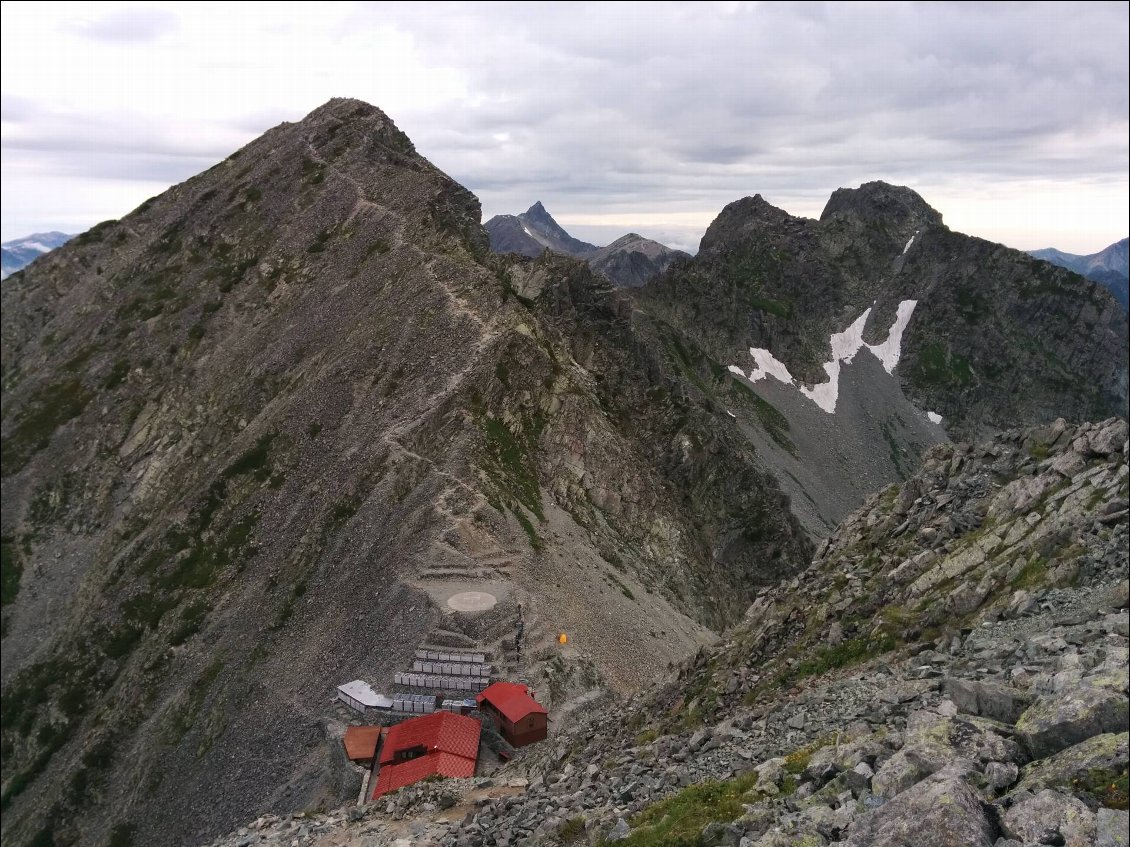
(439, 744)
(521, 719)
(361, 744)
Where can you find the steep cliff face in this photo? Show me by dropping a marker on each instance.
(257, 433)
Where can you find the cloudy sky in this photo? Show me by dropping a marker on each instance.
(1011, 119)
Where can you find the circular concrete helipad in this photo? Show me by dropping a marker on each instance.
(472, 601)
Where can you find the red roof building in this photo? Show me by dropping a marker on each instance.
(439, 744)
(521, 719)
(361, 743)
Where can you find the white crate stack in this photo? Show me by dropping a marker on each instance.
(439, 682)
(415, 704)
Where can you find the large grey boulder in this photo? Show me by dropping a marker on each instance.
(940, 811)
(987, 699)
(1054, 723)
(1105, 753)
(1111, 828)
(1049, 814)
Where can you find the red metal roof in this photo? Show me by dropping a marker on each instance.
(439, 732)
(361, 742)
(393, 777)
(512, 699)
(452, 743)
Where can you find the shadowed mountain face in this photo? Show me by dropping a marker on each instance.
(259, 431)
(994, 337)
(1109, 267)
(845, 347)
(629, 261)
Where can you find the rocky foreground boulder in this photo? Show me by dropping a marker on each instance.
(950, 671)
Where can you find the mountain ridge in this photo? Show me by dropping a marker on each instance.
(629, 261)
(1109, 267)
(317, 401)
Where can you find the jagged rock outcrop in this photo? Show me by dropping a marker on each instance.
(866, 702)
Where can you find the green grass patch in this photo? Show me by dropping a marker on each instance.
(117, 374)
(1034, 573)
(1110, 788)
(571, 830)
(775, 424)
(53, 406)
(191, 622)
(678, 821)
(776, 308)
(254, 460)
(851, 651)
(535, 540)
(511, 464)
(313, 173)
(11, 569)
(936, 365)
(204, 561)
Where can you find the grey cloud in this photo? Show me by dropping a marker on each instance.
(126, 25)
(686, 107)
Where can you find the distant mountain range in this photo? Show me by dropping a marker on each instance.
(21, 252)
(1108, 267)
(628, 262)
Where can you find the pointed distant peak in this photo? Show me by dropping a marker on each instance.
(537, 212)
(875, 201)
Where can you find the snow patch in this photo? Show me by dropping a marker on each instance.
(37, 246)
(934, 417)
(907, 247)
(766, 364)
(890, 350)
(844, 347)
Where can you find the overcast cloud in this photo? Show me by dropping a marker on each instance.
(1013, 120)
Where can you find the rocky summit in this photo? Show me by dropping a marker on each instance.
(293, 424)
(961, 680)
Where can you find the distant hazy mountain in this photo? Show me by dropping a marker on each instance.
(629, 261)
(532, 233)
(632, 260)
(22, 252)
(1108, 267)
